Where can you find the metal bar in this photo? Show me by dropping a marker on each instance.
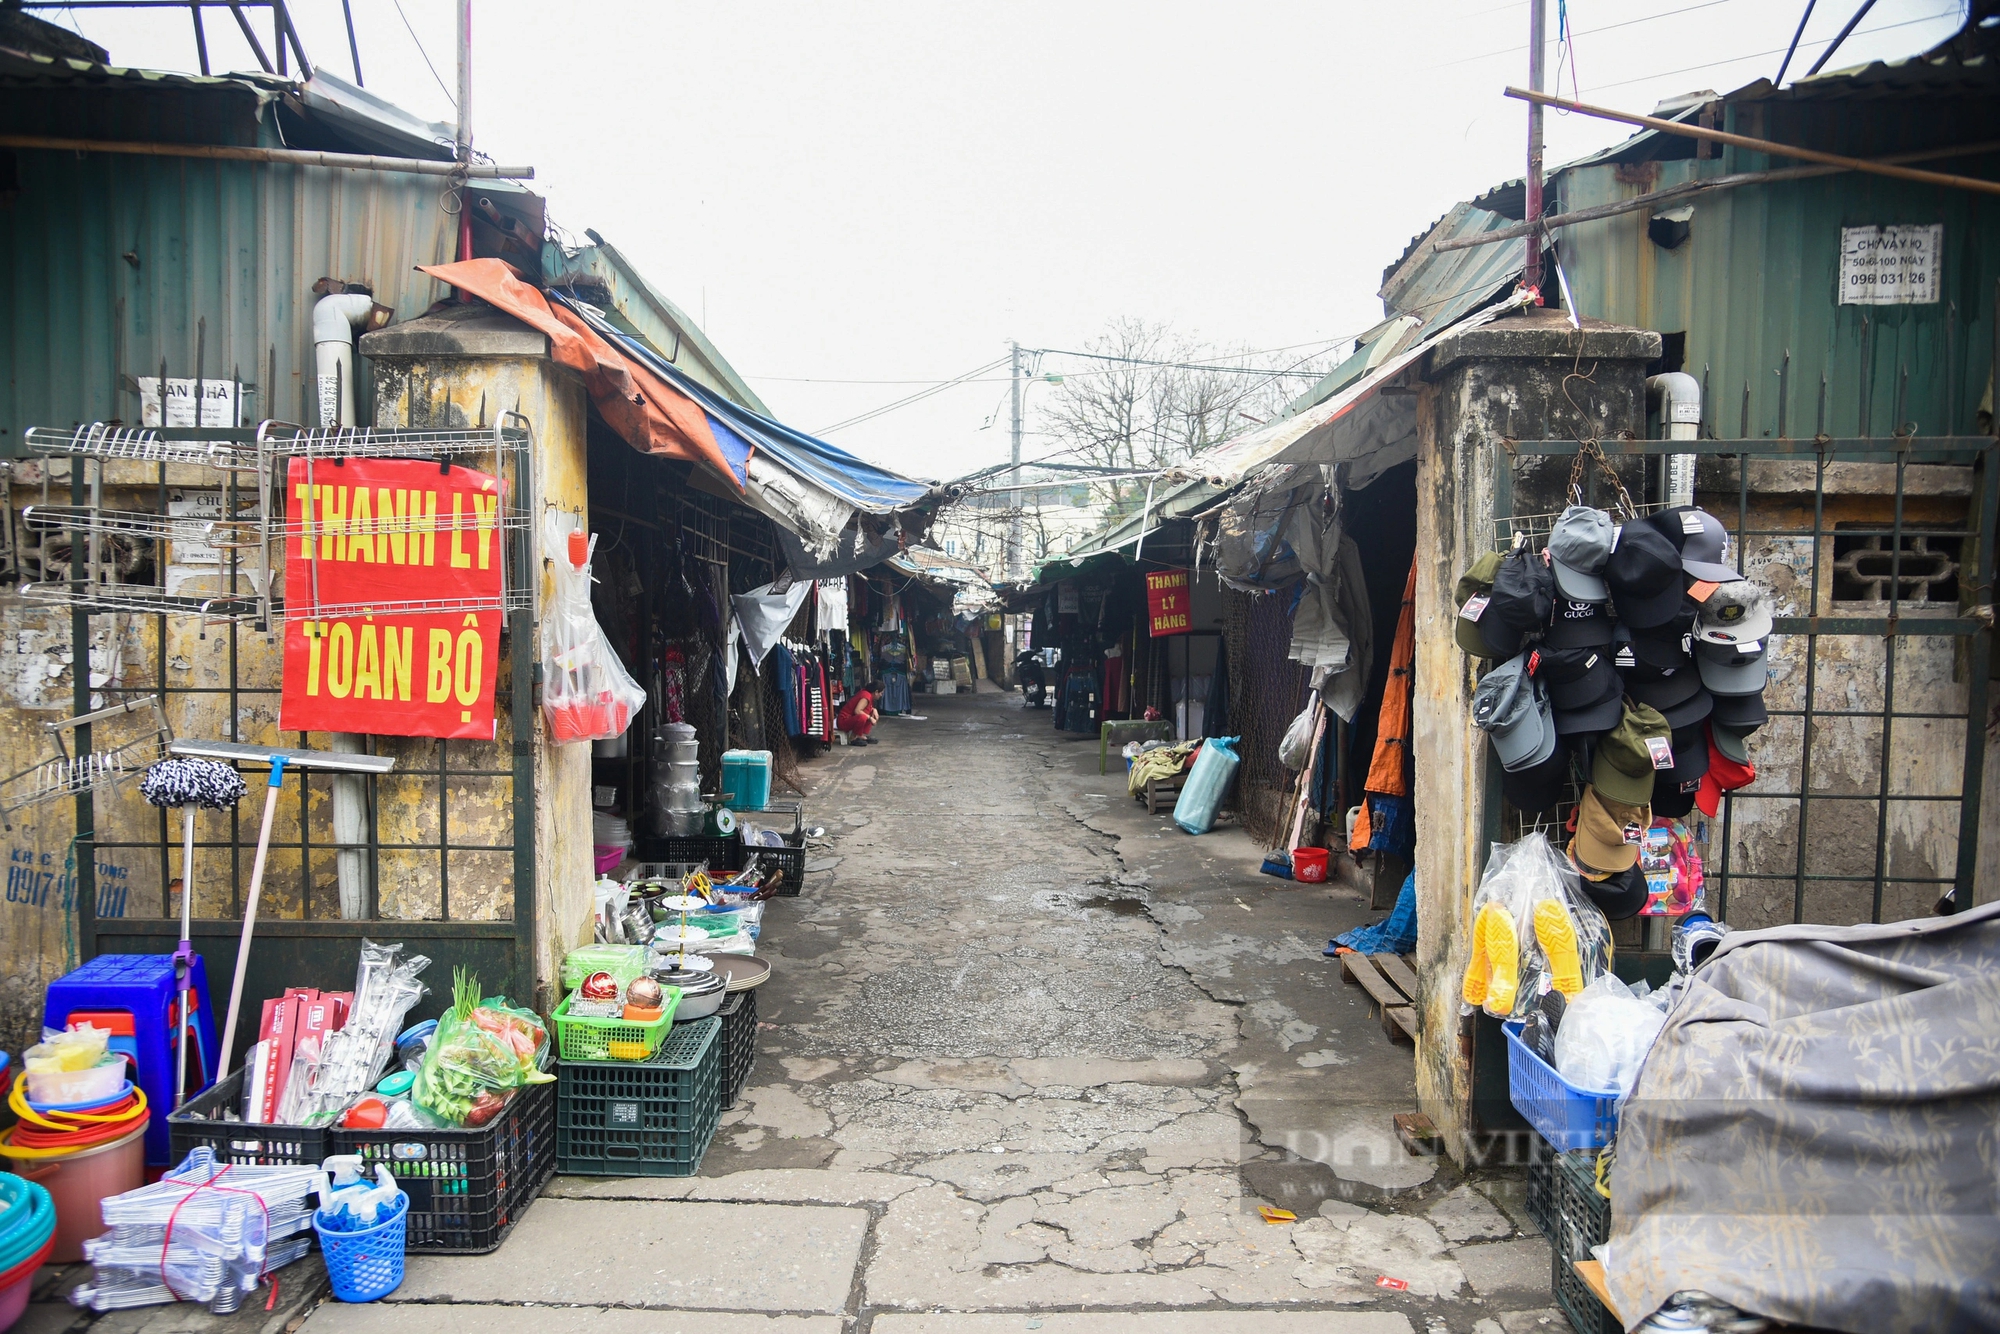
(1865, 411)
(83, 846)
(294, 156)
(1888, 696)
(444, 828)
(1980, 667)
(1760, 145)
(1806, 723)
(1840, 37)
(1963, 449)
(1785, 395)
(250, 36)
(201, 55)
(1792, 50)
(291, 34)
(353, 48)
(1845, 879)
(524, 677)
(305, 836)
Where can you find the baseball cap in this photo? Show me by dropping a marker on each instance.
(1734, 614)
(1510, 705)
(1579, 622)
(1673, 805)
(1665, 689)
(1618, 896)
(1690, 710)
(1628, 756)
(1690, 764)
(1584, 690)
(1519, 605)
(1725, 773)
(1644, 574)
(1732, 669)
(1702, 541)
(1742, 713)
(1579, 545)
(1474, 583)
(1608, 833)
(1728, 741)
(1656, 654)
(1539, 788)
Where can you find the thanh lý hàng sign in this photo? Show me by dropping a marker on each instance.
(393, 585)
(1890, 266)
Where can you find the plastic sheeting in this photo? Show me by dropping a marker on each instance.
(764, 615)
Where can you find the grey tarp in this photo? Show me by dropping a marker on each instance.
(1815, 1135)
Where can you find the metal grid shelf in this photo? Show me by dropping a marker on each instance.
(205, 448)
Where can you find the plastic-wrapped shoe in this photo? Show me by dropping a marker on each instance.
(1503, 949)
(1479, 968)
(1556, 930)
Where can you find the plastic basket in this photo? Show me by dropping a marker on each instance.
(725, 856)
(1581, 1218)
(467, 1187)
(1541, 1201)
(201, 1121)
(651, 1118)
(739, 1043)
(367, 1265)
(580, 1038)
(1568, 1117)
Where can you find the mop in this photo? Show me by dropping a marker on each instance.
(279, 761)
(188, 784)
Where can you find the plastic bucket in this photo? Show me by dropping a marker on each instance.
(79, 1183)
(366, 1266)
(18, 1284)
(1309, 865)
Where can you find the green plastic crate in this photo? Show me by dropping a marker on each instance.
(642, 1118)
(584, 1038)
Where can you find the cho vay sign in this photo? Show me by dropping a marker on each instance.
(1167, 602)
(392, 598)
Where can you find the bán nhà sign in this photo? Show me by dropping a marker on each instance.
(1167, 602)
(393, 583)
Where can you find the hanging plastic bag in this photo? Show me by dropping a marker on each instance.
(1605, 1035)
(1296, 748)
(587, 695)
(1207, 784)
(1533, 930)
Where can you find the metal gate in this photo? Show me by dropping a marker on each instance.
(1867, 800)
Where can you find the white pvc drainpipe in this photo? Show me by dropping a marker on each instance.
(335, 318)
(1679, 397)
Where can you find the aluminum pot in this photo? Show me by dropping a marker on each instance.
(702, 994)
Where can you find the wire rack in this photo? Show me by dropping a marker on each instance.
(253, 540)
(67, 775)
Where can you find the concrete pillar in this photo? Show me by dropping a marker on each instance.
(1526, 377)
(465, 366)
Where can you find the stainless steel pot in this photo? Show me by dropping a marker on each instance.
(702, 994)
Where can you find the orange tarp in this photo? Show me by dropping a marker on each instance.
(1388, 771)
(648, 413)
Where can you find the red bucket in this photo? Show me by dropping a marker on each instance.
(1309, 865)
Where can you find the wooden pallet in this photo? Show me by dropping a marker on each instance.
(1392, 985)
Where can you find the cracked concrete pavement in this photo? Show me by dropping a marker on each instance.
(1028, 1052)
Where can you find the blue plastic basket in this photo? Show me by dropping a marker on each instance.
(1568, 1117)
(366, 1266)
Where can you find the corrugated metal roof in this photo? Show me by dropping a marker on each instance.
(1440, 288)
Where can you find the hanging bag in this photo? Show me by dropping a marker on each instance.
(587, 695)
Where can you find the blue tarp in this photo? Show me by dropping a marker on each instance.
(1394, 934)
(738, 430)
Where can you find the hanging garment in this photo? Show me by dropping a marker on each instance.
(895, 690)
(832, 595)
(784, 672)
(1386, 822)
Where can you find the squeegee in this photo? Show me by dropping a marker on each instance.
(278, 760)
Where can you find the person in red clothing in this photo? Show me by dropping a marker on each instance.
(858, 715)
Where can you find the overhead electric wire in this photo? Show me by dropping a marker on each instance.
(1760, 55)
(426, 55)
(908, 399)
(1518, 49)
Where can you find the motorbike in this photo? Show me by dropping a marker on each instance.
(1033, 676)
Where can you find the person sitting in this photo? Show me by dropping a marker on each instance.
(857, 717)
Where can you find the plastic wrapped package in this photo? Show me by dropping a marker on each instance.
(623, 962)
(587, 695)
(1605, 1035)
(1533, 930)
(483, 1051)
(353, 1057)
(1207, 784)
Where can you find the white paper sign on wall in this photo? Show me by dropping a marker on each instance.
(1890, 266)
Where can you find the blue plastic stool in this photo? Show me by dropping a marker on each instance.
(366, 1266)
(133, 995)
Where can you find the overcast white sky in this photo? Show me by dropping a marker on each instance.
(856, 200)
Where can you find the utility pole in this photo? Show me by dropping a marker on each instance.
(463, 134)
(1538, 25)
(1015, 568)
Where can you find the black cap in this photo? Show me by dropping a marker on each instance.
(1663, 691)
(1577, 678)
(1645, 577)
(1690, 710)
(1518, 607)
(1579, 624)
(1539, 788)
(1621, 896)
(1684, 779)
(1656, 655)
(1740, 713)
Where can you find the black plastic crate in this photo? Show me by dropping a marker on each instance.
(643, 1118)
(1541, 1201)
(739, 1043)
(726, 856)
(1587, 1315)
(1582, 1219)
(468, 1187)
(202, 1121)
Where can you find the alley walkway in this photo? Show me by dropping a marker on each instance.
(1030, 1053)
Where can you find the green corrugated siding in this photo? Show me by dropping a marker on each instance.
(1757, 276)
(238, 244)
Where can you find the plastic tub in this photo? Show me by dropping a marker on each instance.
(117, 1095)
(95, 1085)
(14, 1291)
(746, 779)
(606, 856)
(79, 1183)
(1309, 865)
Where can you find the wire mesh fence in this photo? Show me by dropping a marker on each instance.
(1268, 690)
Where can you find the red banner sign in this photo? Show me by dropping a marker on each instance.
(1167, 602)
(421, 544)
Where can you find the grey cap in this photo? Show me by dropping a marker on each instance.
(1578, 547)
(1511, 705)
(1734, 613)
(1731, 669)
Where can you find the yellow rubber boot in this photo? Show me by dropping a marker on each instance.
(1503, 949)
(1557, 932)
(1480, 967)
